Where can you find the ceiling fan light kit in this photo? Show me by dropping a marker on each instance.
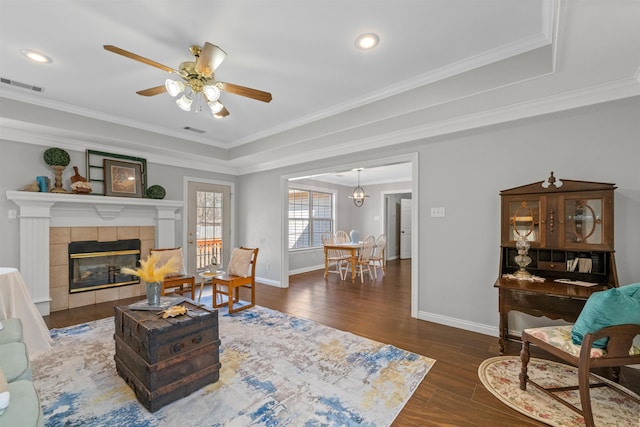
(173, 87)
(197, 77)
(215, 107)
(211, 92)
(184, 102)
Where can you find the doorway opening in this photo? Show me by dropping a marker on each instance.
(410, 163)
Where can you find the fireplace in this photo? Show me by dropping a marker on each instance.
(50, 221)
(97, 265)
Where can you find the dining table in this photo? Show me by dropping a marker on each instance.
(353, 250)
(16, 302)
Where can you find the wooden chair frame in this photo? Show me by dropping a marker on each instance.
(617, 355)
(377, 259)
(233, 285)
(180, 285)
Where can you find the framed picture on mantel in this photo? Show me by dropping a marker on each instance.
(123, 179)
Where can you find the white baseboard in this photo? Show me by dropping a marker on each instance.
(459, 323)
(307, 269)
(269, 282)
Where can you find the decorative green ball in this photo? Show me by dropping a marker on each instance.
(156, 192)
(56, 157)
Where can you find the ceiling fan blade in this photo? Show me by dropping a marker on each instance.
(211, 56)
(139, 58)
(152, 91)
(244, 91)
(222, 113)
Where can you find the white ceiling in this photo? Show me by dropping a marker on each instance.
(441, 66)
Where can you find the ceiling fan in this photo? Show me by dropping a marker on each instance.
(196, 77)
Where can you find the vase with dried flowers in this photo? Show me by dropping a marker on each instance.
(153, 274)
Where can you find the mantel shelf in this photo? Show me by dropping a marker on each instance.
(21, 197)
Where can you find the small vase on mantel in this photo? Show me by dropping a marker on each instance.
(154, 289)
(57, 188)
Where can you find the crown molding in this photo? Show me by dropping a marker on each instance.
(612, 91)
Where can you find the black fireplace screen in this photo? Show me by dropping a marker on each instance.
(96, 265)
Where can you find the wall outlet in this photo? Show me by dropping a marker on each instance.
(437, 212)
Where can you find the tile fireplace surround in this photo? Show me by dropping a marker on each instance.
(44, 216)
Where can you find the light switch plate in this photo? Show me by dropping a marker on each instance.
(437, 212)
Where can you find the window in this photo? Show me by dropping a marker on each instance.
(310, 215)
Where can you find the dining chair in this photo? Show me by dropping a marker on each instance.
(377, 258)
(334, 256)
(241, 273)
(342, 237)
(364, 257)
(179, 282)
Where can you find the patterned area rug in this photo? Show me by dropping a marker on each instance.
(277, 370)
(500, 376)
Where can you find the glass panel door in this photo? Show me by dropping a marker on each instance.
(583, 222)
(209, 228)
(524, 220)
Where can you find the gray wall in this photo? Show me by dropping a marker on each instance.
(463, 172)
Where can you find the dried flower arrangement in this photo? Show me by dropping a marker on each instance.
(149, 272)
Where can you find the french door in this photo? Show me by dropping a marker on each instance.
(208, 224)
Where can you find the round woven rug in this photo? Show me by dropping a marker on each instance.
(610, 408)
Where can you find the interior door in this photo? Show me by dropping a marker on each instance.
(405, 228)
(209, 230)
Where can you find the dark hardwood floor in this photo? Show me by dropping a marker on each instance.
(450, 395)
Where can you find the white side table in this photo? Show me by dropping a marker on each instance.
(206, 276)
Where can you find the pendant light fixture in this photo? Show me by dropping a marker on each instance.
(358, 196)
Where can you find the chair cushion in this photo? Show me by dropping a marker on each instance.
(240, 262)
(616, 306)
(164, 255)
(24, 408)
(11, 331)
(14, 361)
(560, 337)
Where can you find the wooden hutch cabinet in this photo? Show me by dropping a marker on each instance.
(568, 229)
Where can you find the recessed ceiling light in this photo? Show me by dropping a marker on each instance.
(36, 56)
(367, 41)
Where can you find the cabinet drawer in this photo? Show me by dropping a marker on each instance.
(552, 265)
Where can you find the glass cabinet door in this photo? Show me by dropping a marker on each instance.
(583, 221)
(524, 220)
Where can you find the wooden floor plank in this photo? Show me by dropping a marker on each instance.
(450, 395)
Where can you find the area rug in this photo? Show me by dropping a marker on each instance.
(277, 370)
(500, 376)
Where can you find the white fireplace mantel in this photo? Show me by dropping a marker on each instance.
(39, 211)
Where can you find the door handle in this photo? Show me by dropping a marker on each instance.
(191, 242)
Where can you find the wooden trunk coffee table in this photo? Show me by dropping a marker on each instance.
(163, 360)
